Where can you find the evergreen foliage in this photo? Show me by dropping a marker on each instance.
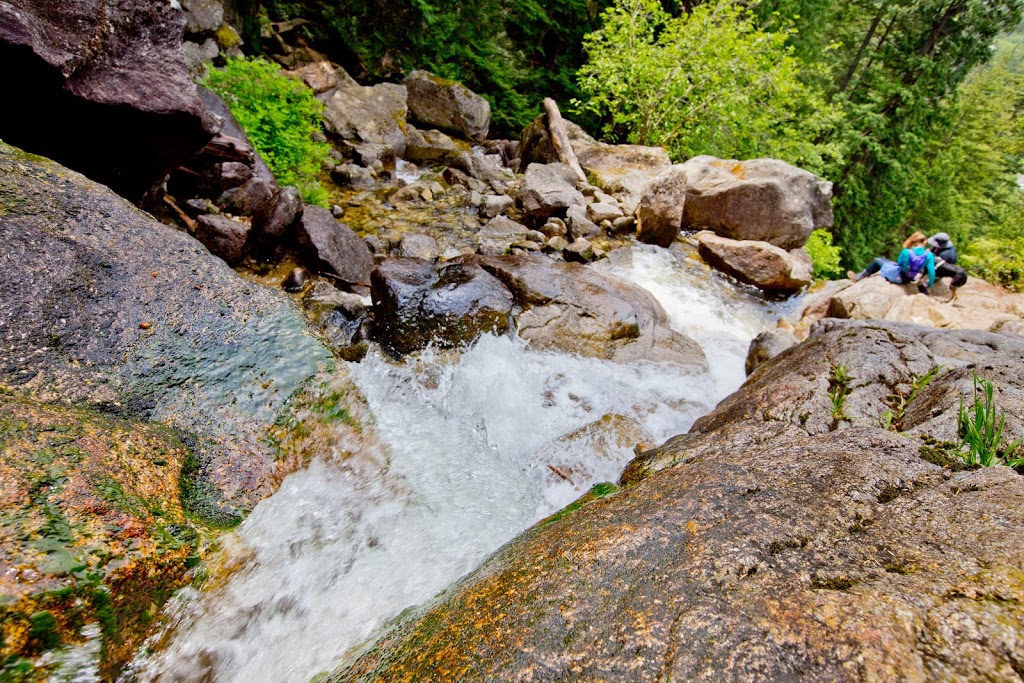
(280, 115)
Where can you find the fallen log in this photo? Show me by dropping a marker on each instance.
(560, 139)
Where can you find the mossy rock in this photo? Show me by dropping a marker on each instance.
(92, 530)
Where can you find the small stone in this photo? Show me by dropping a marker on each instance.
(557, 243)
(580, 250)
(337, 211)
(295, 281)
(144, 326)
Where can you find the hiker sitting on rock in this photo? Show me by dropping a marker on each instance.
(945, 259)
(914, 261)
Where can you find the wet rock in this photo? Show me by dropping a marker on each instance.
(224, 176)
(416, 246)
(761, 199)
(430, 147)
(455, 177)
(574, 309)
(417, 303)
(197, 207)
(270, 234)
(123, 110)
(254, 197)
(448, 105)
(763, 265)
(766, 346)
(332, 247)
(492, 205)
(372, 115)
(763, 545)
(202, 16)
(79, 546)
(224, 237)
(498, 234)
(579, 225)
(339, 316)
(296, 280)
(212, 336)
(580, 250)
(659, 214)
(352, 175)
(484, 167)
(549, 189)
(600, 211)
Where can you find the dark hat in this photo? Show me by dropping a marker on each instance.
(939, 240)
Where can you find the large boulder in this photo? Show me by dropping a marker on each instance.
(448, 105)
(105, 307)
(977, 305)
(659, 213)
(417, 303)
(224, 237)
(761, 199)
(571, 308)
(332, 247)
(102, 87)
(549, 189)
(373, 115)
(770, 543)
(760, 264)
(497, 236)
(431, 147)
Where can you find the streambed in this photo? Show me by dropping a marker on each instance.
(477, 447)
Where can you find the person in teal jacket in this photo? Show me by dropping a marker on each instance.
(913, 264)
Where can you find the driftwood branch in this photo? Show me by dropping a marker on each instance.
(560, 139)
(184, 217)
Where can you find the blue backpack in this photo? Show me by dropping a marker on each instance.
(917, 264)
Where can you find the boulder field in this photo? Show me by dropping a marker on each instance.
(779, 539)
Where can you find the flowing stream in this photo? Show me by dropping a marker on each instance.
(477, 447)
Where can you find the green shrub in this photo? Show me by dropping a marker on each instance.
(980, 428)
(280, 116)
(824, 255)
(996, 260)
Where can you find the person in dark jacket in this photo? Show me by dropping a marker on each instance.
(945, 259)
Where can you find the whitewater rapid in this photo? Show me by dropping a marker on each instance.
(477, 447)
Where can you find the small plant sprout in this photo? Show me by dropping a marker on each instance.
(898, 401)
(980, 429)
(838, 384)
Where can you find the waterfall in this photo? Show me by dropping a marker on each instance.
(477, 447)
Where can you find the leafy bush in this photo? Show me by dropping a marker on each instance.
(980, 429)
(1000, 261)
(280, 116)
(824, 255)
(705, 82)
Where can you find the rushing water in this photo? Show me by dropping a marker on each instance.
(478, 447)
